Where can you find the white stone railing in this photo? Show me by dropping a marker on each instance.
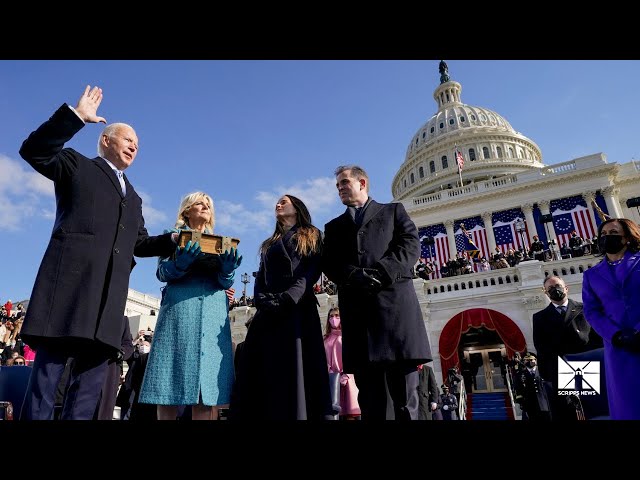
(508, 180)
(508, 279)
(559, 168)
(473, 283)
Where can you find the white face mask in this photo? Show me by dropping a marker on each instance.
(145, 349)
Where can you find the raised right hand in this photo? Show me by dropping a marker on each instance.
(187, 255)
(88, 103)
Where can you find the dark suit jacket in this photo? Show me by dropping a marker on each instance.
(388, 325)
(555, 335)
(82, 284)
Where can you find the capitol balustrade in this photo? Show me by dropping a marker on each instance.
(497, 184)
(508, 279)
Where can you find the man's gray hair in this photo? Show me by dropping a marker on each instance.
(109, 131)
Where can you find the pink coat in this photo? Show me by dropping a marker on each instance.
(29, 354)
(348, 392)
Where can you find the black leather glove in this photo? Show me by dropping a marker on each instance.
(272, 301)
(628, 339)
(367, 279)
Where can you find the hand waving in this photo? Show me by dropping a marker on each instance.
(229, 261)
(187, 255)
(88, 104)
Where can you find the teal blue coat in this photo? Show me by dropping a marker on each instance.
(191, 352)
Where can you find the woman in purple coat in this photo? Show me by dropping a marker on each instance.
(609, 294)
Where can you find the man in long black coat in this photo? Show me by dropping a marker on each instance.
(559, 329)
(369, 251)
(428, 394)
(79, 296)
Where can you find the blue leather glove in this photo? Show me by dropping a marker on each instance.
(187, 255)
(229, 261)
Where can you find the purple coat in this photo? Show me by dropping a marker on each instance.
(611, 304)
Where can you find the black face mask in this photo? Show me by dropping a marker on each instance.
(530, 363)
(611, 243)
(557, 293)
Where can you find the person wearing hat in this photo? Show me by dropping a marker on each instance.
(531, 391)
(448, 404)
(576, 243)
(537, 249)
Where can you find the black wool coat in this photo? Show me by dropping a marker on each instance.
(81, 288)
(388, 325)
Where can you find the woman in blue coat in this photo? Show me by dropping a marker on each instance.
(191, 360)
(610, 297)
(282, 374)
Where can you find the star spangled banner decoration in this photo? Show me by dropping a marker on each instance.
(437, 253)
(571, 213)
(474, 227)
(505, 232)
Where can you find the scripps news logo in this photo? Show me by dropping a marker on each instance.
(578, 378)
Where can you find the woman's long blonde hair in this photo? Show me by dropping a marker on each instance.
(307, 238)
(186, 204)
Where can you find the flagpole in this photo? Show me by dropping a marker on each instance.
(458, 163)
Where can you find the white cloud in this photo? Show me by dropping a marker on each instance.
(24, 193)
(152, 216)
(318, 194)
(234, 218)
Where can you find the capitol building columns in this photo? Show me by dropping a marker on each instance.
(451, 237)
(488, 226)
(527, 209)
(610, 195)
(544, 206)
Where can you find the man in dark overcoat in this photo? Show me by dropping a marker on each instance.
(78, 299)
(559, 329)
(369, 252)
(428, 394)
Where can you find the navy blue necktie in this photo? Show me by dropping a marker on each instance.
(358, 215)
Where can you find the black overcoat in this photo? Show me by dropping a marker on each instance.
(82, 284)
(388, 325)
(283, 372)
(555, 335)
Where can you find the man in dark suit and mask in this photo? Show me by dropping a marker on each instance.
(369, 252)
(560, 329)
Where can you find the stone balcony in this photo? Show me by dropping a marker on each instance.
(524, 276)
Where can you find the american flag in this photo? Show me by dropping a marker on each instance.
(475, 228)
(438, 253)
(460, 160)
(505, 231)
(570, 214)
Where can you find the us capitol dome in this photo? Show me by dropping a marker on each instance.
(490, 146)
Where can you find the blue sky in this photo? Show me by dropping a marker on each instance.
(247, 132)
